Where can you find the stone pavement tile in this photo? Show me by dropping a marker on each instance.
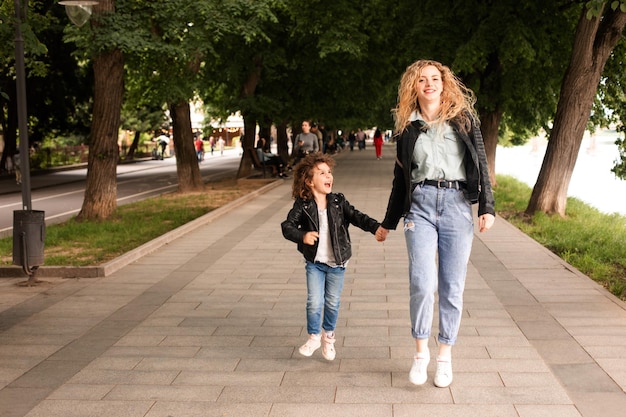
(139, 392)
(315, 363)
(282, 394)
(162, 331)
(530, 410)
(48, 374)
(616, 368)
(8, 375)
(16, 402)
(562, 352)
(371, 352)
(207, 409)
(107, 377)
(406, 393)
(140, 340)
(600, 404)
(339, 379)
(186, 364)
(600, 329)
(72, 408)
(476, 379)
(585, 377)
(377, 365)
(113, 363)
(251, 352)
(84, 392)
(548, 329)
(509, 395)
(507, 352)
(343, 410)
(426, 409)
(500, 365)
(239, 378)
(600, 352)
(545, 380)
(157, 351)
(199, 341)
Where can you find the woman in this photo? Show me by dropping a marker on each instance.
(378, 143)
(441, 169)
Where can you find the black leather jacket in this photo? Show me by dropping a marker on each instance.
(303, 218)
(477, 174)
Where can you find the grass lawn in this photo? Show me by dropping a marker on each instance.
(90, 243)
(591, 241)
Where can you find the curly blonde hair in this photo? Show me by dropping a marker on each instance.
(303, 174)
(457, 101)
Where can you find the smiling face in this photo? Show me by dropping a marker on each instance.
(322, 181)
(429, 86)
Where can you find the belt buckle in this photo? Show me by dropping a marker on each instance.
(447, 184)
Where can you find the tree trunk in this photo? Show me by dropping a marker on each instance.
(594, 40)
(133, 146)
(490, 123)
(189, 178)
(249, 126)
(282, 141)
(101, 185)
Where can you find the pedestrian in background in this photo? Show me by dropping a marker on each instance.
(318, 223)
(440, 171)
(310, 141)
(378, 144)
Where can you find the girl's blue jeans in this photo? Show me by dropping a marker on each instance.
(439, 231)
(324, 285)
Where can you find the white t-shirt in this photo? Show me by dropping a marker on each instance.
(324, 246)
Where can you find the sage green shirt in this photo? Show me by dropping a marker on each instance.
(438, 154)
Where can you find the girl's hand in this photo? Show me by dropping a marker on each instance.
(310, 238)
(381, 234)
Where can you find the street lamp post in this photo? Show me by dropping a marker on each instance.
(29, 225)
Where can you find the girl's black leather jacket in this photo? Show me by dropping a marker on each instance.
(303, 218)
(477, 174)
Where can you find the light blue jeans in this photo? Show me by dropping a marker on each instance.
(324, 285)
(439, 231)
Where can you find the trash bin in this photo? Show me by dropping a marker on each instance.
(29, 233)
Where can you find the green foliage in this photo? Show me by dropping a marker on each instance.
(591, 241)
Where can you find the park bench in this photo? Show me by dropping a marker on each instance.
(261, 166)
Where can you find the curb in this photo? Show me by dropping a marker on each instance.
(121, 261)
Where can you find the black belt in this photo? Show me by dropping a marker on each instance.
(445, 184)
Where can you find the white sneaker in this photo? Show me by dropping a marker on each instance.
(418, 374)
(328, 345)
(311, 345)
(443, 376)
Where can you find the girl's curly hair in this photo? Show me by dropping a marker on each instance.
(457, 101)
(303, 174)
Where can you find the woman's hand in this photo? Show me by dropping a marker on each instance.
(485, 222)
(310, 238)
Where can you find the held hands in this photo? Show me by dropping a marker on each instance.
(485, 222)
(310, 238)
(381, 234)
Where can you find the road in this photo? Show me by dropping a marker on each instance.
(60, 194)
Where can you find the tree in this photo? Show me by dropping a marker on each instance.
(599, 30)
(511, 54)
(108, 67)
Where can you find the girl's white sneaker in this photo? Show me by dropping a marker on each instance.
(311, 345)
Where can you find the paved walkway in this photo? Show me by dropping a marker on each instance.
(209, 325)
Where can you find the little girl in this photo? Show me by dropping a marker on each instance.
(318, 223)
